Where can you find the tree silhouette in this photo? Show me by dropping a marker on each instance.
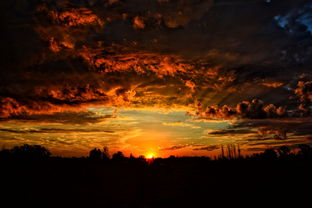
(305, 151)
(118, 156)
(269, 154)
(5, 154)
(283, 152)
(95, 154)
(105, 153)
(27, 151)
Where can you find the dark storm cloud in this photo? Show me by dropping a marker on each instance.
(254, 109)
(69, 54)
(266, 129)
(208, 148)
(195, 147)
(176, 147)
(231, 131)
(261, 133)
(56, 130)
(278, 142)
(63, 117)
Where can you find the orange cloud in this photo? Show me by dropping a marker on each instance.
(138, 23)
(75, 17)
(11, 107)
(50, 99)
(304, 93)
(273, 84)
(161, 65)
(190, 85)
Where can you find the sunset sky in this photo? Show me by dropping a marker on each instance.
(160, 77)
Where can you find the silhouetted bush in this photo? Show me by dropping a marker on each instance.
(105, 153)
(95, 154)
(5, 154)
(284, 152)
(118, 156)
(305, 151)
(269, 154)
(27, 151)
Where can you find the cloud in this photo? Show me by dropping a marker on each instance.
(176, 147)
(67, 55)
(304, 93)
(190, 85)
(138, 23)
(138, 62)
(67, 117)
(47, 100)
(56, 130)
(273, 84)
(181, 124)
(186, 11)
(277, 128)
(257, 132)
(279, 142)
(196, 147)
(254, 109)
(208, 148)
(11, 107)
(74, 17)
(231, 131)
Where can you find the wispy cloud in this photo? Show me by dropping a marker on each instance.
(181, 124)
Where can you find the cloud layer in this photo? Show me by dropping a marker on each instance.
(67, 55)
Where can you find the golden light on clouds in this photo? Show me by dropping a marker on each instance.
(145, 132)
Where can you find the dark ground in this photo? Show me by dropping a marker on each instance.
(175, 182)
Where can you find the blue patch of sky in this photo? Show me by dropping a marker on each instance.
(303, 17)
(306, 20)
(282, 21)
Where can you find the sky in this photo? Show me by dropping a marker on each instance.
(162, 77)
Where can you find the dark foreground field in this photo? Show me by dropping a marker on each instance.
(173, 182)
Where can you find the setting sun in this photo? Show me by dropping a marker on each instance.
(150, 156)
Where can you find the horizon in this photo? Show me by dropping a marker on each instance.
(132, 131)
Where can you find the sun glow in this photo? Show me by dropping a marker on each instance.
(150, 156)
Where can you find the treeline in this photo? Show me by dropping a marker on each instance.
(37, 152)
(26, 151)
